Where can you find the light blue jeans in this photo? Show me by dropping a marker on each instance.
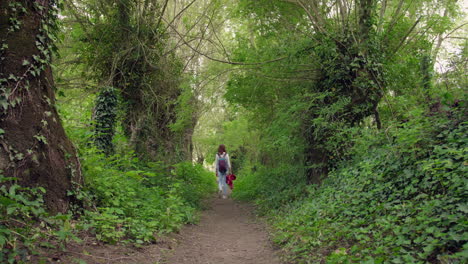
(222, 185)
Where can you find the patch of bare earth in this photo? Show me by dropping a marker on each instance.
(228, 233)
(95, 252)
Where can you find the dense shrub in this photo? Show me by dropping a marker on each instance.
(400, 199)
(195, 183)
(270, 188)
(124, 200)
(19, 209)
(25, 225)
(138, 203)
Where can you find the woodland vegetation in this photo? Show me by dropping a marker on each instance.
(345, 120)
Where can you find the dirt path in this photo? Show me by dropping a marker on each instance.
(227, 234)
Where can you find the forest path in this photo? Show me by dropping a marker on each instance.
(228, 233)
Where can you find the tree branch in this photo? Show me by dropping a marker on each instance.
(406, 35)
(162, 14)
(219, 60)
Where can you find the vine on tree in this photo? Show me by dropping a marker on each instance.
(105, 113)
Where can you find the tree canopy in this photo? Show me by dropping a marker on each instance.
(345, 121)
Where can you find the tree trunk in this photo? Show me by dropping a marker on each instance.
(362, 85)
(33, 145)
(316, 161)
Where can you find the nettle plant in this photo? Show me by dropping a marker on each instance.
(25, 225)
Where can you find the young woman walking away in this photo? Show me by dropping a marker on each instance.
(223, 168)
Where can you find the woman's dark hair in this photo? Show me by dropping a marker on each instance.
(221, 149)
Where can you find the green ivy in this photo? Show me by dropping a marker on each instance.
(399, 202)
(105, 113)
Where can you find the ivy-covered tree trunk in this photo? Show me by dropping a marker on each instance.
(105, 115)
(33, 145)
(130, 58)
(350, 69)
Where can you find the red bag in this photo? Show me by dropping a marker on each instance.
(230, 180)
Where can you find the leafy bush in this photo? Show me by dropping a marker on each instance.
(132, 201)
(19, 209)
(194, 183)
(401, 199)
(271, 188)
(135, 203)
(25, 225)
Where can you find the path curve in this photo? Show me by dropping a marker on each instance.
(228, 233)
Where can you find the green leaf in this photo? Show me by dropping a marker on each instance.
(6, 201)
(10, 210)
(463, 208)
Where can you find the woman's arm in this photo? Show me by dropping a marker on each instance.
(216, 164)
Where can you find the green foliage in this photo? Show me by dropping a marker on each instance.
(133, 201)
(127, 46)
(33, 66)
(332, 78)
(396, 195)
(124, 199)
(330, 67)
(19, 208)
(25, 226)
(194, 183)
(398, 201)
(141, 201)
(105, 113)
(270, 188)
(129, 199)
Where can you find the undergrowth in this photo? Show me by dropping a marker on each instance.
(401, 197)
(125, 200)
(25, 225)
(136, 200)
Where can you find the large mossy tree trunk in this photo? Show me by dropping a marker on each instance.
(33, 145)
